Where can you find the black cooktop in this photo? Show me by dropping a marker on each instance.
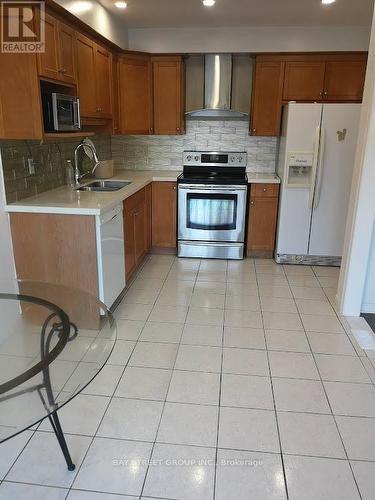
(189, 178)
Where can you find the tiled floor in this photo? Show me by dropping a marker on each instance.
(229, 380)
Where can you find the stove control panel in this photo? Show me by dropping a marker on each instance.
(215, 158)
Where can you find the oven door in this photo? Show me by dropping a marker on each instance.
(66, 114)
(211, 212)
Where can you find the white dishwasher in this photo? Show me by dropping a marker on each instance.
(111, 255)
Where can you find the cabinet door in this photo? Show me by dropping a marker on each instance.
(304, 81)
(67, 53)
(168, 96)
(344, 80)
(148, 190)
(115, 95)
(164, 216)
(262, 223)
(48, 62)
(266, 100)
(103, 79)
(129, 241)
(86, 76)
(140, 233)
(135, 95)
(20, 108)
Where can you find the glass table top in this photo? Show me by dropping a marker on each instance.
(53, 341)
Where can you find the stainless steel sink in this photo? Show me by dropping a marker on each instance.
(103, 186)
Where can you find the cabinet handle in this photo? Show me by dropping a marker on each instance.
(320, 93)
(174, 188)
(254, 130)
(325, 93)
(252, 202)
(264, 190)
(178, 129)
(151, 130)
(63, 71)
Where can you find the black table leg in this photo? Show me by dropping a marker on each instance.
(55, 422)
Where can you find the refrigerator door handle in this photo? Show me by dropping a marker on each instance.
(314, 166)
(320, 168)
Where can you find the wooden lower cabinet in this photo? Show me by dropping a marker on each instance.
(136, 224)
(262, 219)
(164, 214)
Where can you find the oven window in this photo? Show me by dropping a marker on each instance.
(211, 211)
(65, 112)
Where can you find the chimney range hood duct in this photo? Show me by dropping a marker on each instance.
(217, 88)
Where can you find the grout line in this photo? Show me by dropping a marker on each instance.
(274, 407)
(329, 403)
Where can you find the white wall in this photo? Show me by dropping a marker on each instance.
(7, 270)
(358, 237)
(100, 19)
(368, 300)
(263, 39)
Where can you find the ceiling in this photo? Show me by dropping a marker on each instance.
(232, 13)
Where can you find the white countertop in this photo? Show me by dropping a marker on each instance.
(65, 200)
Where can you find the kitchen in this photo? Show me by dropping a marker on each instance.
(231, 168)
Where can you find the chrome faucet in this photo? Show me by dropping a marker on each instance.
(77, 174)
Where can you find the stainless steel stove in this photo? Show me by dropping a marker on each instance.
(212, 193)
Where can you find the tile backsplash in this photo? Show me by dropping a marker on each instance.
(49, 162)
(165, 152)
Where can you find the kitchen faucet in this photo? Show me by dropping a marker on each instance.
(77, 174)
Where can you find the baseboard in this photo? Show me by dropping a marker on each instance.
(164, 250)
(260, 254)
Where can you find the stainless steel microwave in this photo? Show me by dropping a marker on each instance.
(60, 112)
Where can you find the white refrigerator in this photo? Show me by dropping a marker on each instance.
(316, 160)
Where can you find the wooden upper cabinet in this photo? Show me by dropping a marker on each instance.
(344, 80)
(304, 81)
(94, 78)
(135, 95)
(103, 65)
(67, 51)
(266, 100)
(115, 95)
(20, 108)
(164, 214)
(48, 61)
(168, 87)
(86, 75)
(58, 62)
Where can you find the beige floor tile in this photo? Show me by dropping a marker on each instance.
(321, 307)
(199, 358)
(358, 435)
(308, 292)
(304, 281)
(169, 297)
(293, 365)
(324, 324)
(212, 300)
(205, 316)
(246, 391)
(269, 279)
(296, 270)
(135, 296)
(241, 289)
(235, 317)
(282, 291)
(129, 329)
(243, 302)
(154, 355)
(202, 335)
(188, 424)
(194, 387)
(300, 395)
(309, 434)
(144, 383)
(278, 305)
(147, 284)
(168, 314)
(341, 368)
(328, 282)
(212, 276)
(356, 400)
(245, 362)
(324, 343)
(280, 340)
(249, 338)
(210, 287)
(136, 312)
(258, 476)
(247, 429)
(161, 332)
(319, 478)
(326, 271)
(281, 321)
(364, 473)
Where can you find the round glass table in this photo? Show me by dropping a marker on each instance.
(53, 341)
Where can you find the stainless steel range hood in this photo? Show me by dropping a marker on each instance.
(218, 75)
